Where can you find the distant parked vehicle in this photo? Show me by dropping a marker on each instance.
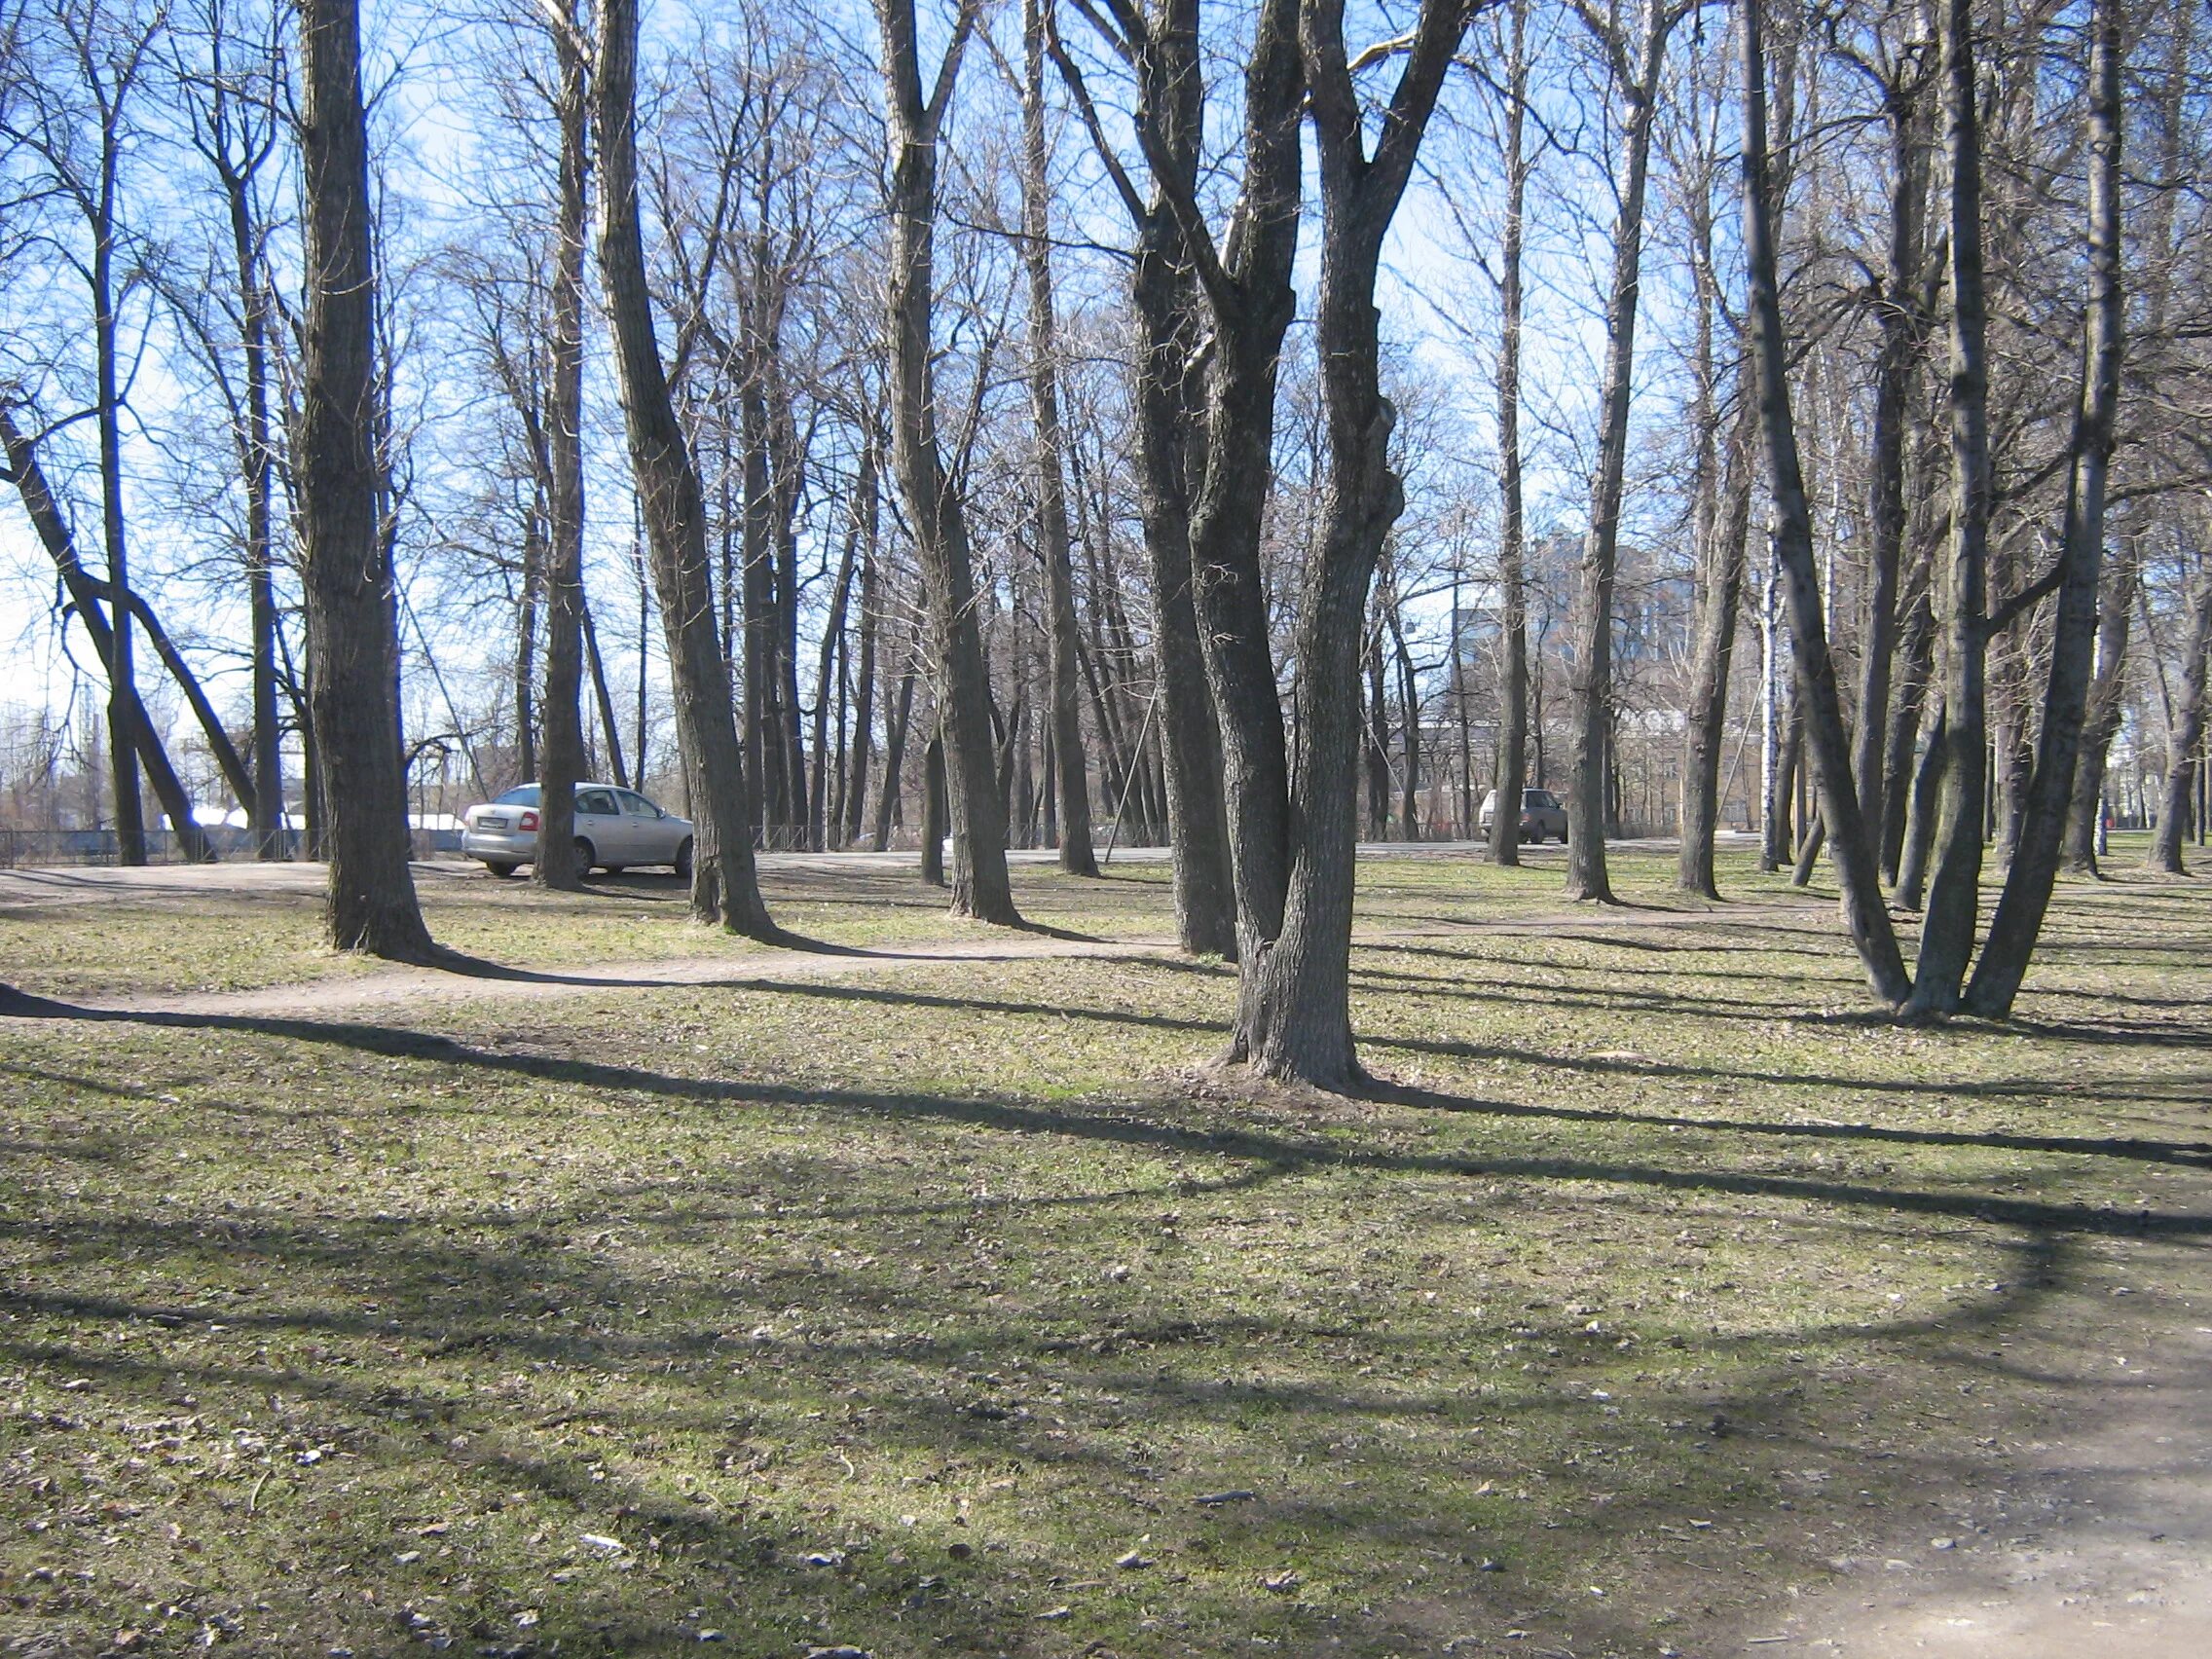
(1542, 814)
(617, 829)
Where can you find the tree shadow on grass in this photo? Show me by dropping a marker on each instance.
(1271, 1146)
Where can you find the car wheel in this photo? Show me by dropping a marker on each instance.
(501, 870)
(586, 856)
(683, 862)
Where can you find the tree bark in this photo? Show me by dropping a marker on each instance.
(862, 755)
(1512, 529)
(2187, 733)
(724, 889)
(1852, 846)
(561, 760)
(2020, 908)
(1947, 929)
(1915, 653)
(1073, 782)
(1919, 844)
(1304, 1026)
(1705, 732)
(2100, 724)
(346, 577)
(1902, 334)
(1592, 680)
(604, 696)
(85, 598)
(933, 506)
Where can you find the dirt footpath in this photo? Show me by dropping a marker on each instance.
(2092, 1540)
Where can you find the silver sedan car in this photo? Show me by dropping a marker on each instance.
(616, 828)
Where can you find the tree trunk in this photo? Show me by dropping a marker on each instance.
(2187, 733)
(1304, 1026)
(825, 667)
(887, 799)
(724, 889)
(523, 671)
(1947, 929)
(352, 642)
(2084, 816)
(862, 755)
(1252, 304)
(1169, 121)
(562, 755)
(85, 597)
(1901, 335)
(1512, 534)
(1915, 647)
(934, 509)
(1705, 731)
(1852, 846)
(1593, 680)
(2019, 922)
(607, 726)
(934, 812)
(1073, 783)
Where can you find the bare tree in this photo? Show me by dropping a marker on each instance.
(1634, 62)
(1792, 532)
(934, 509)
(2018, 921)
(561, 756)
(1512, 537)
(1074, 803)
(345, 564)
(724, 889)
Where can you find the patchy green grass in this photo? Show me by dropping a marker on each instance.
(918, 1311)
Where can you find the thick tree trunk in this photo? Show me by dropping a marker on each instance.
(562, 755)
(1253, 305)
(2019, 922)
(1592, 676)
(1511, 530)
(1947, 929)
(935, 510)
(862, 755)
(1853, 846)
(724, 889)
(352, 642)
(1303, 1029)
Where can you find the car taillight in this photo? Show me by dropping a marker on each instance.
(529, 820)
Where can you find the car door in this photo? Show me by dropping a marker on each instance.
(599, 821)
(651, 842)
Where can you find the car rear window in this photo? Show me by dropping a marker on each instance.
(522, 794)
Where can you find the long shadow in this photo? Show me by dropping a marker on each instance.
(2183, 1155)
(1288, 1151)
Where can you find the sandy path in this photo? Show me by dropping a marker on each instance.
(475, 982)
(415, 987)
(2094, 1544)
